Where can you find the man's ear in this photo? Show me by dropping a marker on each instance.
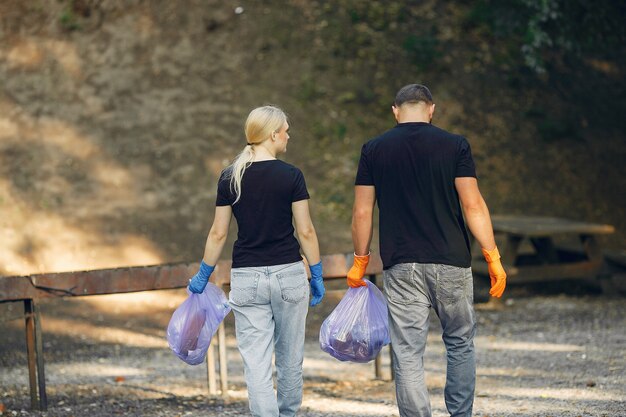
(396, 111)
(431, 111)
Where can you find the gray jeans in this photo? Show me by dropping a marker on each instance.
(270, 306)
(411, 290)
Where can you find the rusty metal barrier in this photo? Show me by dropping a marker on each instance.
(30, 289)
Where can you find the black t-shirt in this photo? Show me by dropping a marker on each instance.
(413, 167)
(263, 213)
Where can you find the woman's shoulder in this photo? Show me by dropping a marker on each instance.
(225, 174)
(286, 166)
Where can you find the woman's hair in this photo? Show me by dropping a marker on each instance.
(261, 123)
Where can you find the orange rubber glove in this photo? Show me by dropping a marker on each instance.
(355, 274)
(496, 272)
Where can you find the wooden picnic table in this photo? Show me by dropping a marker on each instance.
(532, 248)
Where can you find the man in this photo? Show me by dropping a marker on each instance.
(422, 176)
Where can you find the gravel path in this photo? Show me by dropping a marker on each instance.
(105, 356)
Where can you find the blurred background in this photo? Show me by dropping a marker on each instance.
(116, 117)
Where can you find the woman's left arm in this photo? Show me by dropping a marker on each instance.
(306, 231)
(212, 249)
(310, 247)
(217, 235)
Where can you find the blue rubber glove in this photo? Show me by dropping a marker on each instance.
(317, 284)
(198, 283)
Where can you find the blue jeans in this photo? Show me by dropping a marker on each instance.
(270, 306)
(411, 290)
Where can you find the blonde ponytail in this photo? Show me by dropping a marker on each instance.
(261, 123)
(238, 167)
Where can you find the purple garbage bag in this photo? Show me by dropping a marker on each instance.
(358, 327)
(194, 323)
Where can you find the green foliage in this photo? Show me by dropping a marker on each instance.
(375, 44)
(309, 89)
(569, 55)
(422, 50)
(377, 15)
(327, 132)
(552, 127)
(556, 54)
(68, 19)
(363, 31)
(542, 31)
(336, 199)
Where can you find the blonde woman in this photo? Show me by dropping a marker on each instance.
(269, 290)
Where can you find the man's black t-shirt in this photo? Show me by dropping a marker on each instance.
(263, 213)
(413, 167)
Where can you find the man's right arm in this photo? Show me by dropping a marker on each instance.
(479, 223)
(362, 227)
(476, 211)
(362, 218)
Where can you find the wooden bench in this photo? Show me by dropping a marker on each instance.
(31, 289)
(547, 261)
(615, 271)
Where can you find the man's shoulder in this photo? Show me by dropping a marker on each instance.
(427, 130)
(438, 131)
(383, 137)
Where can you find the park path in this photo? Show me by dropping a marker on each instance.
(541, 355)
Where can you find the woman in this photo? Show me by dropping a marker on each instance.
(269, 291)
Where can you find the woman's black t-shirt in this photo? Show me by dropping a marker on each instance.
(263, 213)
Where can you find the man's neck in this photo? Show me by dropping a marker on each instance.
(413, 116)
(416, 119)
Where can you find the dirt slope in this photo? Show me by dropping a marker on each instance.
(117, 117)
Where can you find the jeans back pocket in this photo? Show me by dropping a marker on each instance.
(243, 287)
(452, 283)
(293, 285)
(401, 284)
